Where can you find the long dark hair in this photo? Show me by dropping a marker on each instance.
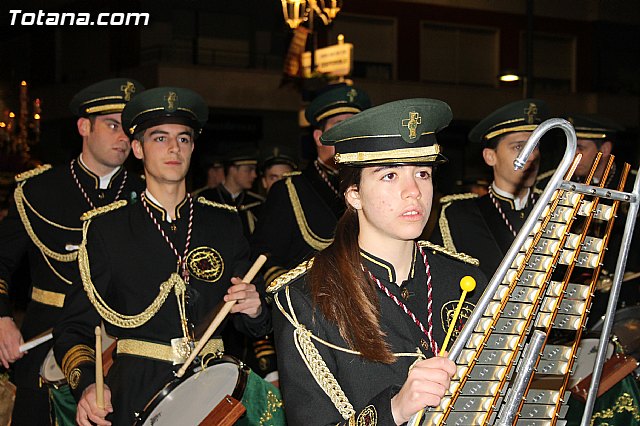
(340, 289)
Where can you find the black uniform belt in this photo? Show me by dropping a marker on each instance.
(163, 352)
(47, 297)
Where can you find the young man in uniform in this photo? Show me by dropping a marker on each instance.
(484, 227)
(240, 171)
(276, 162)
(153, 269)
(44, 223)
(301, 211)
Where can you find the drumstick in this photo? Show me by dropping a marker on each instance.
(39, 339)
(467, 284)
(224, 311)
(99, 378)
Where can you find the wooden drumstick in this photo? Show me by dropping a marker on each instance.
(467, 284)
(220, 316)
(99, 377)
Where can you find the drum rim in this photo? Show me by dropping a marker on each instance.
(55, 383)
(238, 391)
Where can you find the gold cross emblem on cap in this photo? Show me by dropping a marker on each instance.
(128, 90)
(412, 123)
(352, 94)
(531, 112)
(171, 99)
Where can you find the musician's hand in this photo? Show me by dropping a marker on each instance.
(246, 297)
(10, 341)
(88, 410)
(425, 386)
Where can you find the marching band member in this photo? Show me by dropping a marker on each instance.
(358, 329)
(154, 268)
(44, 224)
(301, 211)
(484, 227)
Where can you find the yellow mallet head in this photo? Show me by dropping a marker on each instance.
(467, 283)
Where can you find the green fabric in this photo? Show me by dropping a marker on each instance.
(620, 405)
(64, 405)
(263, 403)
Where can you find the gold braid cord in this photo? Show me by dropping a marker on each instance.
(102, 210)
(31, 173)
(303, 340)
(320, 371)
(456, 255)
(60, 257)
(446, 201)
(120, 320)
(316, 242)
(209, 203)
(286, 277)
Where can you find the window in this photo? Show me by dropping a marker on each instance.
(460, 55)
(374, 40)
(557, 74)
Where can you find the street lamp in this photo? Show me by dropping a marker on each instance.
(297, 11)
(294, 12)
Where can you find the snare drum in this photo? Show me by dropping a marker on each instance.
(586, 360)
(189, 399)
(50, 372)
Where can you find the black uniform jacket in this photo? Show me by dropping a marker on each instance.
(298, 219)
(52, 204)
(367, 386)
(129, 260)
(249, 205)
(473, 225)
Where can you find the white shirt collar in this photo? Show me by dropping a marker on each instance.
(518, 203)
(157, 203)
(104, 180)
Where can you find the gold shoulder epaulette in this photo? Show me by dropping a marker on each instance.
(456, 255)
(287, 277)
(102, 210)
(293, 173)
(33, 172)
(545, 175)
(210, 203)
(537, 190)
(457, 197)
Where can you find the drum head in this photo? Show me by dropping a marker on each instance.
(188, 400)
(586, 359)
(50, 371)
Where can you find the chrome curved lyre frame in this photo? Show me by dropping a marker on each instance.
(541, 204)
(528, 226)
